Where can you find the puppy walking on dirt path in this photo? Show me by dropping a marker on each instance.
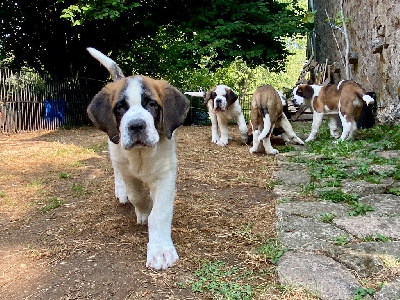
(222, 104)
(266, 114)
(140, 114)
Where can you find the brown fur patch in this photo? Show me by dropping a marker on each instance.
(265, 98)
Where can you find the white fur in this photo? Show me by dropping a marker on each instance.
(195, 94)
(219, 119)
(340, 83)
(133, 95)
(368, 99)
(146, 177)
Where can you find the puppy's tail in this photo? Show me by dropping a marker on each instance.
(368, 99)
(267, 126)
(107, 62)
(196, 94)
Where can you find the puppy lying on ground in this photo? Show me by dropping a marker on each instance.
(222, 104)
(140, 114)
(346, 98)
(267, 114)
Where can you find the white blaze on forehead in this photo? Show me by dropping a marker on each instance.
(134, 90)
(221, 90)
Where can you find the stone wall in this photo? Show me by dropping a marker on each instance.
(374, 31)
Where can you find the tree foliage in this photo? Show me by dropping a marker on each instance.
(164, 38)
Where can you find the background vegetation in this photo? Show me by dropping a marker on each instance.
(192, 44)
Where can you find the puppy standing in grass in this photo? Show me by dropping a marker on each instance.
(266, 114)
(346, 98)
(140, 114)
(222, 104)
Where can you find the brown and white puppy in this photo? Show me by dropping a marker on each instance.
(266, 114)
(346, 98)
(222, 104)
(140, 114)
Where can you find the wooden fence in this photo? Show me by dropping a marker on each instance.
(32, 102)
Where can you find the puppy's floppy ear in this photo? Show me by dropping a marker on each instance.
(175, 107)
(208, 95)
(100, 112)
(231, 97)
(308, 91)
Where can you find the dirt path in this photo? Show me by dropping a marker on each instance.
(88, 247)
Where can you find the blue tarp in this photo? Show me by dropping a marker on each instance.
(55, 109)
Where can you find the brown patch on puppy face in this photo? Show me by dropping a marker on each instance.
(305, 91)
(173, 103)
(101, 109)
(231, 97)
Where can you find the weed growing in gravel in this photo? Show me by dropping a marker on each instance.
(221, 280)
(272, 250)
(327, 217)
(361, 293)
(51, 204)
(338, 196)
(63, 175)
(359, 209)
(78, 190)
(394, 191)
(2, 194)
(341, 240)
(378, 238)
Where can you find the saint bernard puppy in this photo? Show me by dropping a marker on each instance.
(139, 115)
(346, 98)
(266, 114)
(222, 104)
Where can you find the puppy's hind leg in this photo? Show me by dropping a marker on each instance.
(347, 125)
(268, 147)
(256, 142)
(287, 127)
(139, 196)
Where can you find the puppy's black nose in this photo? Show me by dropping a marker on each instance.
(136, 127)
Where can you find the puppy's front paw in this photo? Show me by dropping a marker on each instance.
(121, 195)
(222, 143)
(215, 139)
(160, 257)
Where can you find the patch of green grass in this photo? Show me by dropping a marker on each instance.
(359, 209)
(309, 188)
(341, 240)
(360, 293)
(98, 148)
(2, 194)
(51, 204)
(394, 191)
(285, 148)
(272, 250)
(63, 175)
(378, 238)
(327, 217)
(338, 196)
(78, 190)
(221, 281)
